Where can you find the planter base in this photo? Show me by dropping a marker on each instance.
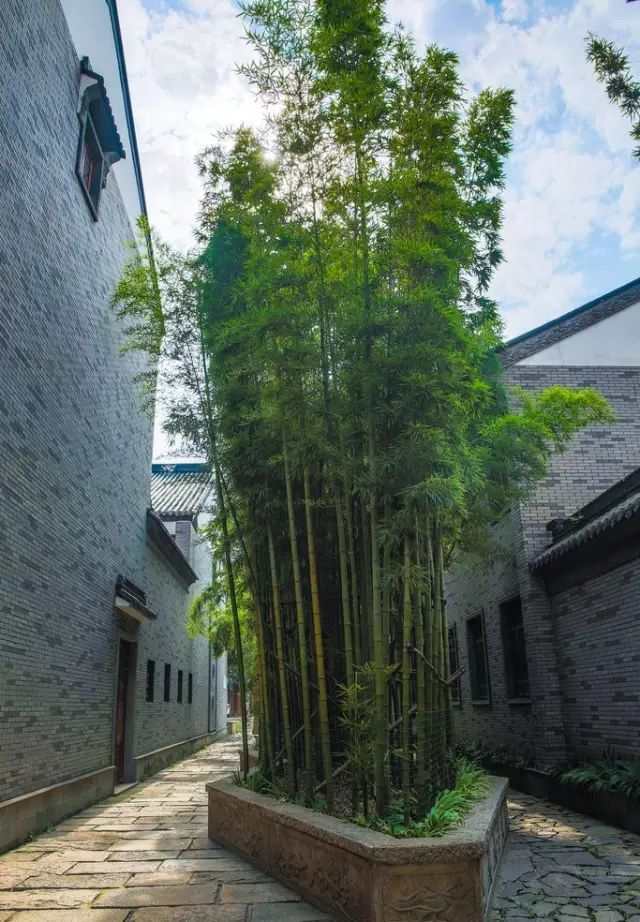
(359, 875)
(606, 806)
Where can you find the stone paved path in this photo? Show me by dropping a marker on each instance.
(567, 867)
(145, 857)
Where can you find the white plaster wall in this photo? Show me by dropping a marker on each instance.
(201, 563)
(90, 26)
(614, 341)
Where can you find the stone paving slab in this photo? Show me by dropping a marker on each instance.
(566, 867)
(144, 856)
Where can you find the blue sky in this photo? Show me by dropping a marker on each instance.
(571, 228)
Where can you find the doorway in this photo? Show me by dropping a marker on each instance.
(122, 698)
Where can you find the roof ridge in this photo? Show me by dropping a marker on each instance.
(571, 322)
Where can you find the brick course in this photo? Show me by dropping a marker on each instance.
(556, 717)
(75, 449)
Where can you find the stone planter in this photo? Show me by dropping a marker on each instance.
(607, 807)
(359, 875)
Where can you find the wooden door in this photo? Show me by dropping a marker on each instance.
(121, 709)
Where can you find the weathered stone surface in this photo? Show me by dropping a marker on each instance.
(257, 893)
(158, 844)
(147, 855)
(357, 873)
(160, 879)
(69, 881)
(225, 862)
(159, 896)
(45, 899)
(192, 914)
(69, 915)
(12, 878)
(287, 912)
(582, 871)
(114, 867)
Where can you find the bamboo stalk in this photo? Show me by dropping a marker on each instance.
(421, 692)
(302, 632)
(261, 667)
(406, 680)
(323, 706)
(235, 617)
(344, 587)
(282, 676)
(355, 599)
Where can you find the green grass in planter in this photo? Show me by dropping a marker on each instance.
(607, 775)
(450, 809)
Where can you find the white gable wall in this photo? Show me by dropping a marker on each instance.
(614, 341)
(91, 29)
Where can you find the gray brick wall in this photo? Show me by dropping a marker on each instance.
(75, 451)
(599, 658)
(597, 458)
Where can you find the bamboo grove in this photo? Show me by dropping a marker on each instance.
(332, 348)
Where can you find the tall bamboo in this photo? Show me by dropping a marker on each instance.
(438, 648)
(406, 680)
(282, 675)
(235, 616)
(355, 597)
(302, 631)
(421, 689)
(263, 684)
(323, 703)
(344, 589)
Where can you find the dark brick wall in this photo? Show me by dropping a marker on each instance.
(478, 584)
(597, 458)
(599, 658)
(75, 451)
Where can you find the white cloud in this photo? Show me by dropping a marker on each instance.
(572, 178)
(185, 88)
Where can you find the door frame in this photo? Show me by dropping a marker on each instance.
(129, 769)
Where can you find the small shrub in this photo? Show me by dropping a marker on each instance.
(607, 774)
(449, 810)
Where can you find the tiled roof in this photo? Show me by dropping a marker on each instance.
(578, 319)
(612, 508)
(180, 490)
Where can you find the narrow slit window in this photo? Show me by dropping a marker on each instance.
(151, 679)
(167, 682)
(516, 666)
(478, 667)
(190, 688)
(454, 666)
(179, 686)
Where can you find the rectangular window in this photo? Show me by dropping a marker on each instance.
(151, 679)
(179, 686)
(454, 666)
(90, 165)
(190, 689)
(478, 668)
(167, 682)
(516, 669)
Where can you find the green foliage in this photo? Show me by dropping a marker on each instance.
(609, 774)
(331, 348)
(611, 65)
(210, 616)
(137, 301)
(450, 809)
(257, 782)
(357, 714)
